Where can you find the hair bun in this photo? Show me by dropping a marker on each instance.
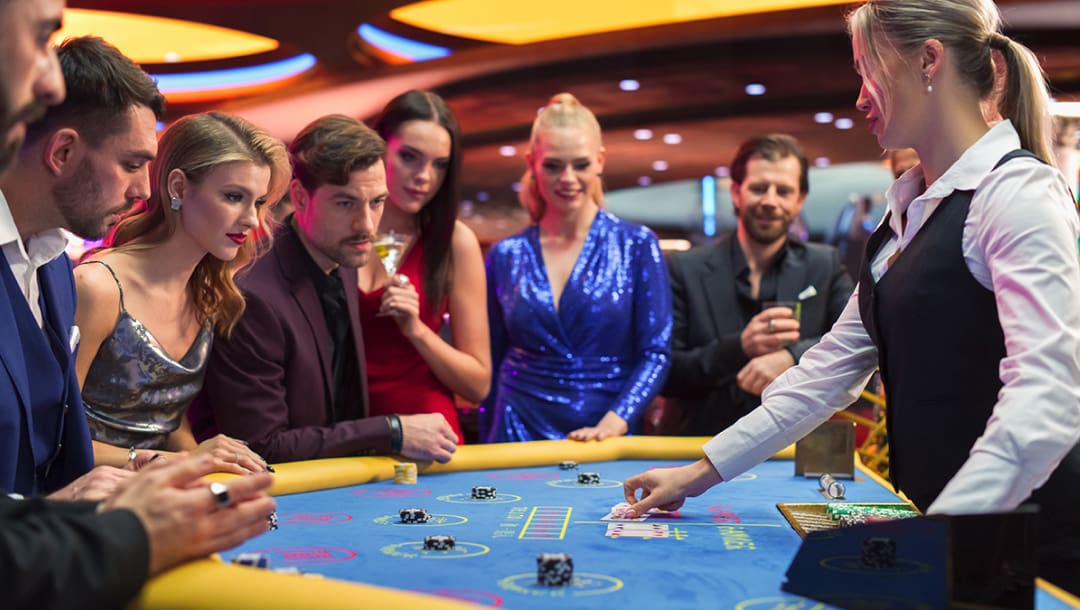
(566, 99)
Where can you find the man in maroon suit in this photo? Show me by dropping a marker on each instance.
(290, 379)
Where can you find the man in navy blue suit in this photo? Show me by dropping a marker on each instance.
(80, 166)
(69, 554)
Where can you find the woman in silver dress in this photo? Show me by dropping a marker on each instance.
(150, 303)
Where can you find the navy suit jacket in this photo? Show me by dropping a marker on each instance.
(58, 440)
(706, 338)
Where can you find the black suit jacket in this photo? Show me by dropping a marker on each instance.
(706, 345)
(270, 382)
(65, 555)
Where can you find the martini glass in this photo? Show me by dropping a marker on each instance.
(390, 246)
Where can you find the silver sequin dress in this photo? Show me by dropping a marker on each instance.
(135, 393)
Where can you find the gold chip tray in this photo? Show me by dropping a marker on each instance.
(806, 517)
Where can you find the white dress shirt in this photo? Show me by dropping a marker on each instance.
(1019, 240)
(25, 260)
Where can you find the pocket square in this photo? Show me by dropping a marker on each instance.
(73, 338)
(807, 293)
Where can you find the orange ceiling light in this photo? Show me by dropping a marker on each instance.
(157, 40)
(504, 22)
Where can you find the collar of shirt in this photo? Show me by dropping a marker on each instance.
(906, 194)
(38, 250)
(325, 283)
(768, 283)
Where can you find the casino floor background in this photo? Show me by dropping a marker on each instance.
(339, 524)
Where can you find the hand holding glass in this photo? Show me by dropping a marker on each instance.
(391, 246)
(794, 306)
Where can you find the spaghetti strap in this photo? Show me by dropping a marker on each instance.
(115, 279)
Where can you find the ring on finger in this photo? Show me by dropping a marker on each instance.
(221, 494)
(237, 454)
(772, 324)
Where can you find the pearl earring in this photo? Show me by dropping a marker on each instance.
(175, 203)
(929, 84)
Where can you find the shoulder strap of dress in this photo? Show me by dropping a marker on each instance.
(115, 279)
(1016, 154)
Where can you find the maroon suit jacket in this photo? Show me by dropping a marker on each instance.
(270, 382)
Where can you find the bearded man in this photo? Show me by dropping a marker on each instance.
(747, 306)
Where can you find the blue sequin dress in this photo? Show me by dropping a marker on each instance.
(608, 347)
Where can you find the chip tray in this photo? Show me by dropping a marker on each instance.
(812, 516)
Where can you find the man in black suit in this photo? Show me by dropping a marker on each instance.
(727, 345)
(291, 379)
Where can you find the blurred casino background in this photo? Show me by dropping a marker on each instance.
(676, 84)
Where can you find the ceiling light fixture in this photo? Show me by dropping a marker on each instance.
(398, 48)
(629, 84)
(232, 82)
(755, 89)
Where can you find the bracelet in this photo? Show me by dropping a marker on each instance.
(397, 436)
(132, 454)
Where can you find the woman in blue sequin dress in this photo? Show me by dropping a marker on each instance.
(579, 303)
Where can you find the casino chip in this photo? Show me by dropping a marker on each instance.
(879, 552)
(554, 569)
(588, 478)
(568, 465)
(272, 521)
(253, 560)
(405, 472)
(438, 543)
(414, 515)
(483, 492)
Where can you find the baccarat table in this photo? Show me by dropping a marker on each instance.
(339, 526)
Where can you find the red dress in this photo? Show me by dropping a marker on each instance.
(399, 379)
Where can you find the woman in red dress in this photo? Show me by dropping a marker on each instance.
(411, 368)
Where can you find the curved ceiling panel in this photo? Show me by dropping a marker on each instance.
(504, 22)
(157, 40)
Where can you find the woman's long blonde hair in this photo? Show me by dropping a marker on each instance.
(971, 31)
(562, 110)
(196, 144)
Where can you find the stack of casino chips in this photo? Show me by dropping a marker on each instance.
(554, 569)
(414, 515)
(857, 514)
(588, 478)
(483, 492)
(438, 543)
(405, 472)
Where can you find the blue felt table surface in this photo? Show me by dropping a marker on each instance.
(728, 548)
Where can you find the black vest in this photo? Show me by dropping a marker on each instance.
(940, 344)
